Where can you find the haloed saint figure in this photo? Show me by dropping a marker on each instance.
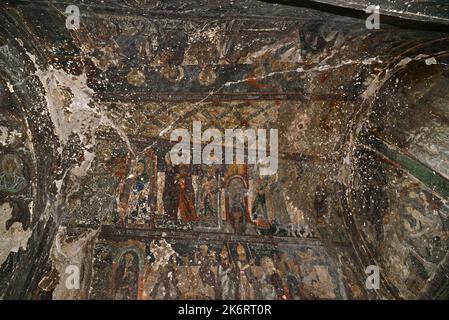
(12, 179)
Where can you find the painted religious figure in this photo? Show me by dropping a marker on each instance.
(259, 208)
(236, 202)
(12, 179)
(272, 288)
(227, 277)
(248, 288)
(206, 261)
(138, 191)
(165, 266)
(138, 210)
(209, 197)
(186, 204)
(260, 202)
(170, 195)
(290, 271)
(127, 277)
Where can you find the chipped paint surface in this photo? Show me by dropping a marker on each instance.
(87, 184)
(14, 238)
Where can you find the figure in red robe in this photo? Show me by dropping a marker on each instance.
(186, 204)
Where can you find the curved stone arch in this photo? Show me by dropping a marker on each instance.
(366, 101)
(17, 70)
(409, 58)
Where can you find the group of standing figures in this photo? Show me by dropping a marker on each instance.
(205, 196)
(206, 276)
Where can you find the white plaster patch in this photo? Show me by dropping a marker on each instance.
(431, 61)
(10, 87)
(78, 116)
(14, 238)
(74, 252)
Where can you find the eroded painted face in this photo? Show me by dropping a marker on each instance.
(224, 254)
(241, 252)
(129, 259)
(204, 250)
(268, 265)
(139, 169)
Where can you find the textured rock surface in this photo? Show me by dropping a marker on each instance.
(85, 123)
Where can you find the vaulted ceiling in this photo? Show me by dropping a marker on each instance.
(361, 113)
